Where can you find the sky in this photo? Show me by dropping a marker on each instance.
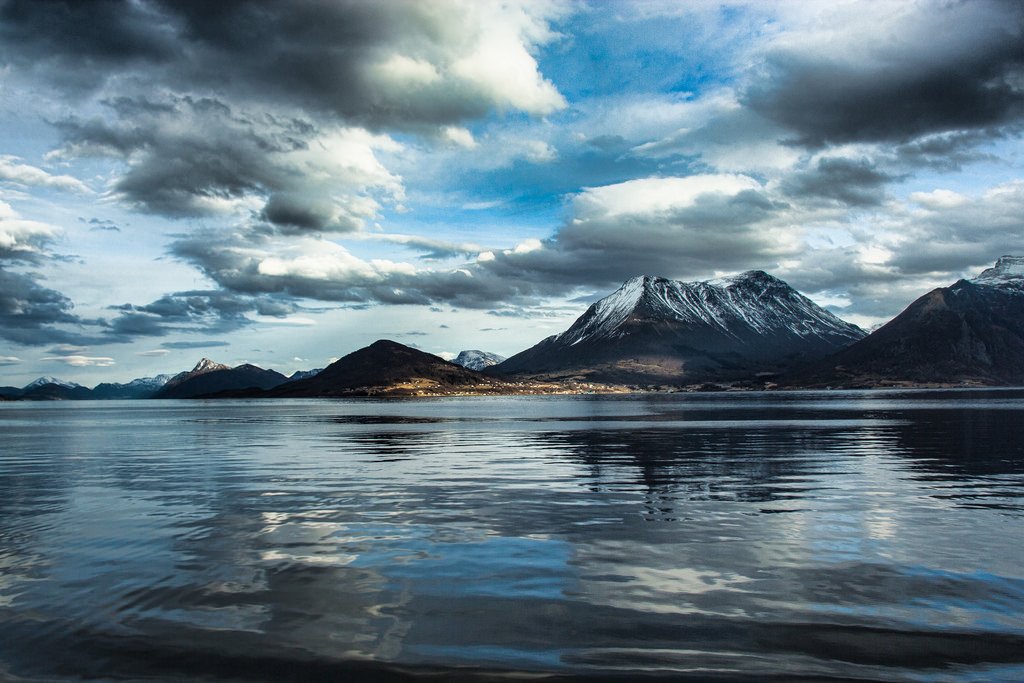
(282, 182)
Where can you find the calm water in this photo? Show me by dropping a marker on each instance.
(875, 536)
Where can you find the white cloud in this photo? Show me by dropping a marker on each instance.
(21, 238)
(12, 169)
(460, 137)
(83, 361)
(939, 199)
(288, 321)
(500, 64)
(9, 360)
(399, 71)
(656, 195)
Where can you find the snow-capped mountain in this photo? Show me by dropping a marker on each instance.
(142, 387)
(45, 380)
(214, 379)
(304, 374)
(655, 329)
(477, 360)
(969, 332)
(1007, 272)
(52, 388)
(204, 366)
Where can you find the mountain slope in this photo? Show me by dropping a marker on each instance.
(971, 331)
(477, 360)
(657, 330)
(385, 367)
(225, 379)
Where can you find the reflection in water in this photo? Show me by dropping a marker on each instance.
(854, 535)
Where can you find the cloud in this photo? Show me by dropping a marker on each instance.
(22, 240)
(673, 226)
(401, 63)
(31, 313)
(200, 311)
(79, 361)
(9, 360)
(66, 349)
(432, 249)
(955, 232)
(13, 170)
(854, 182)
(153, 353)
(274, 108)
(187, 156)
(937, 68)
(208, 344)
(97, 224)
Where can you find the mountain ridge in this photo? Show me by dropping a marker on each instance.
(752, 330)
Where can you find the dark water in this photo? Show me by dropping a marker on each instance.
(875, 536)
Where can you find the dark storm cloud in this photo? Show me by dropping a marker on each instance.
(322, 56)
(76, 43)
(184, 153)
(959, 66)
(29, 312)
(218, 107)
(848, 181)
(950, 151)
(195, 311)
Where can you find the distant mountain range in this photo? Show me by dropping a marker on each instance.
(654, 330)
(749, 330)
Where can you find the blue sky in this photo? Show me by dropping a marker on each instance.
(284, 182)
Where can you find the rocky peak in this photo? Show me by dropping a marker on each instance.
(475, 359)
(1007, 270)
(206, 365)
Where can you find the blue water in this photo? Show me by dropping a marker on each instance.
(829, 535)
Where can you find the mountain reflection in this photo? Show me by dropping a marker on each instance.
(819, 535)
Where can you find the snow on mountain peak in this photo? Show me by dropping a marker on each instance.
(46, 379)
(753, 301)
(1008, 269)
(207, 365)
(474, 359)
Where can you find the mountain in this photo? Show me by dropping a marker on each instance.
(387, 367)
(143, 387)
(47, 380)
(969, 332)
(304, 374)
(215, 378)
(655, 330)
(477, 360)
(53, 389)
(204, 366)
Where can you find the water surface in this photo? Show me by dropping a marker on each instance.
(847, 535)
